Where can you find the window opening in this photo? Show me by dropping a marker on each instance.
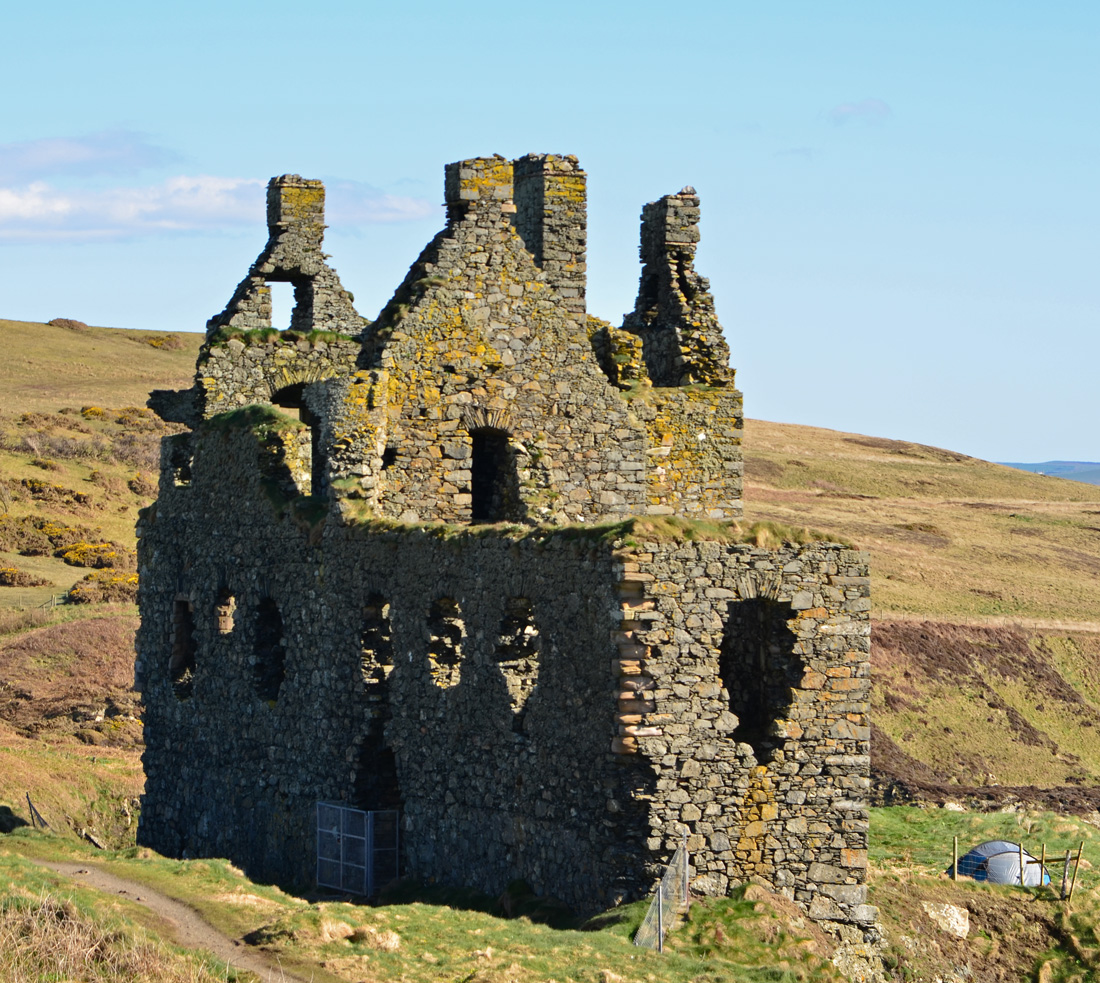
(282, 304)
(181, 665)
(376, 785)
(389, 458)
(445, 649)
(269, 651)
(179, 460)
(517, 654)
(759, 668)
(224, 609)
(376, 658)
(494, 483)
(311, 459)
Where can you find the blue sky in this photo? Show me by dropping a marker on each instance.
(901, 211)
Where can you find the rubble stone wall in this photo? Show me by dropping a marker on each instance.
(626, 741)
(392, 588)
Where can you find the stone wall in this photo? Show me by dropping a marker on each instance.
(373, 575)
(674, 313)
(483, 369)
(400, 680)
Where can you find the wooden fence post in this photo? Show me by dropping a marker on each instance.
(1073, 883)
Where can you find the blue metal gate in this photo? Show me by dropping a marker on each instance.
(357, 851)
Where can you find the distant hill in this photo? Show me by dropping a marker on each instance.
(1086, 471)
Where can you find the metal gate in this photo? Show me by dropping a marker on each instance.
(357, 851)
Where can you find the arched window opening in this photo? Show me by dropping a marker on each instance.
(445, 648)
(517, 655)
(376, 646)
(181, 664)
(311, 463)
(224, 610)
(268, 651)
(494, 482)
(759, 667)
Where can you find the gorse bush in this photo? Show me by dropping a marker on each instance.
(14, 577)
(103, 586)
(99, 556)
(38, 535)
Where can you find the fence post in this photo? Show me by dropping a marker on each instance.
(1073, 883)
(1065, 876)
(955, 860)
(684, 898)
(660, 920)
(1021, 845)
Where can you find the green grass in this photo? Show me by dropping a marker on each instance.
(1014, 931)
(736, 938)
(52, 929)
(921, 839)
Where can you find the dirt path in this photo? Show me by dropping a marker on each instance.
(187, 927)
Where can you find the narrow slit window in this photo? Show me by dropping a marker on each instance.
(376, 646)
(517, 655)
(269, 651)
(181, 665)
(282, 304)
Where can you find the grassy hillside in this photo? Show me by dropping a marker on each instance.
(47, 367)
(78, 448)
(951, 537)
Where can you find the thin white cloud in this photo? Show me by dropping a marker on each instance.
(349, 204)
(39, 211)
(865, 111)
(104, 152)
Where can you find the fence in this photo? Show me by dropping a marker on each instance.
(357, 851)
(671, 898)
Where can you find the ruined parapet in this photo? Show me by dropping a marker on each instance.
(618, 353)
(551, 218)
(293, 254)
(480, 184)
(674, 313)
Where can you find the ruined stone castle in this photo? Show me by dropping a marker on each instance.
(472, 561)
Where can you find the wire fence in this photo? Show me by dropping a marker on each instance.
(671, 899)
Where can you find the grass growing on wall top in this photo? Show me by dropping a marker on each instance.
(267, 336)
(632, 532)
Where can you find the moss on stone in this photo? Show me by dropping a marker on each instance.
(629, 532)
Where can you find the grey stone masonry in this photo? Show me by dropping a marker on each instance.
(448, 562)
(674, 313)
(550, 215)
